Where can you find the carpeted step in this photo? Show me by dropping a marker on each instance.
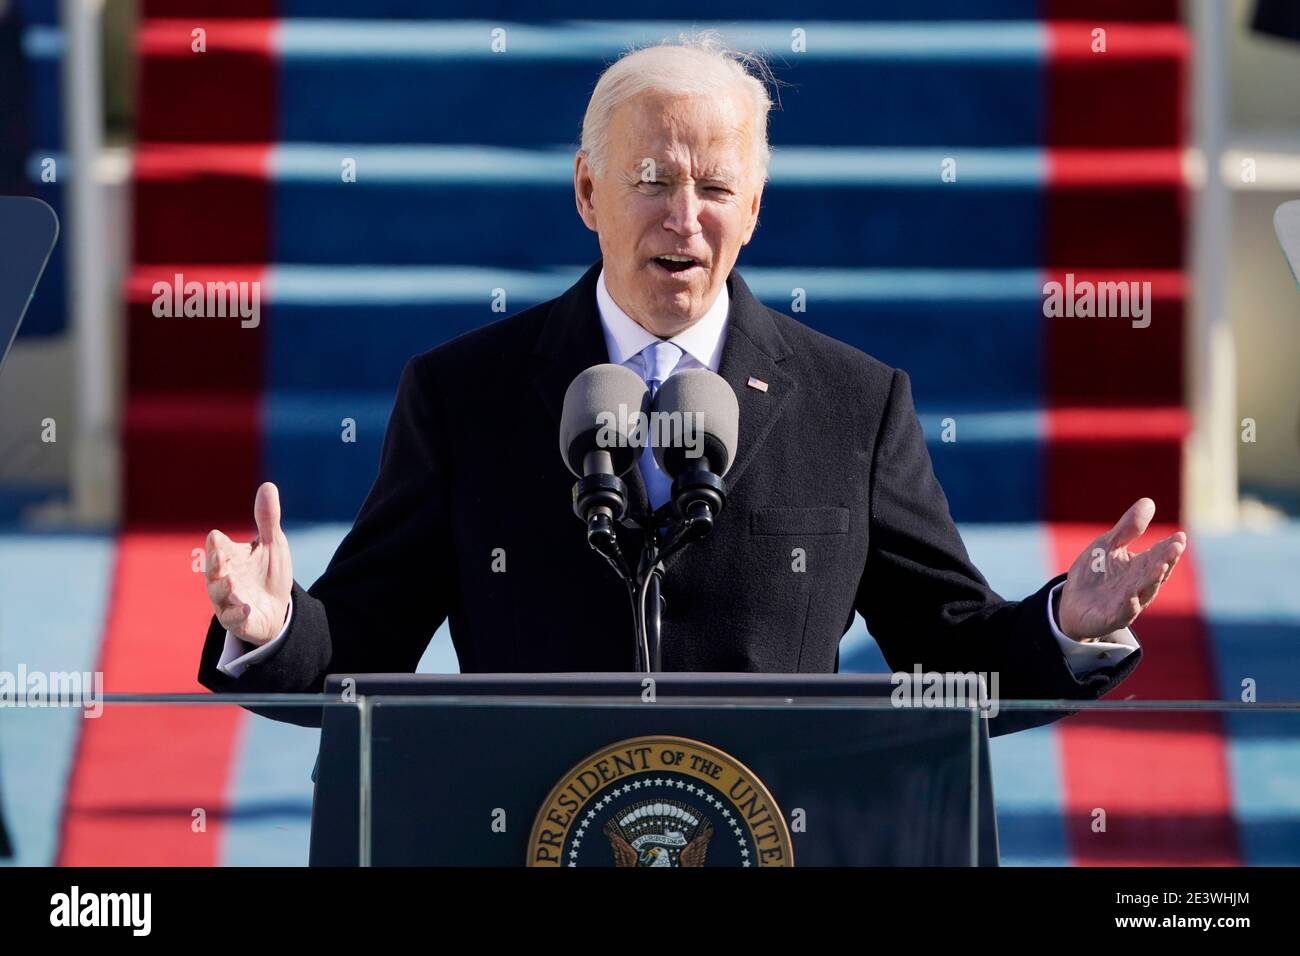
(968, 336)
(468, 205)
(191, 457)
(1136, 10)
(217, 354)
(1055, 464)
(853, 83)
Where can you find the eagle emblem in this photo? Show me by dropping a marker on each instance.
(654, 833)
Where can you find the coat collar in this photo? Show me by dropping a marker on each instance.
(624, 338)
(573, 340)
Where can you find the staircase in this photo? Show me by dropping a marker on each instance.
(1067, 161)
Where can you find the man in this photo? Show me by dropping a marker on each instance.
(470, 516)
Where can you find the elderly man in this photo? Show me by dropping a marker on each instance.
(470, 516)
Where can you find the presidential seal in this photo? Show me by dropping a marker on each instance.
(659, 801)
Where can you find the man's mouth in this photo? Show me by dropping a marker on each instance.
(676, 263)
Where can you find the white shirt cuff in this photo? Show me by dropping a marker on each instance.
(1085, 658)
(236, 656)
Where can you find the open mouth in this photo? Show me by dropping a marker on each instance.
(676, 264)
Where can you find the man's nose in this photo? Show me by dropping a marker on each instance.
(683, 216)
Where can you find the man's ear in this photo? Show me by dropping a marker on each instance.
(753, 215)
(583, 189)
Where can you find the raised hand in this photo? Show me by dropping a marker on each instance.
(1108, 585)
(249, 582)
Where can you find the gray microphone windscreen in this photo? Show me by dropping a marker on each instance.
(708, 423)
(601, 408)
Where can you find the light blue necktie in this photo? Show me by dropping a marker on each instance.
(657, 363)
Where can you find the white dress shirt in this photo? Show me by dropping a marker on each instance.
(701, 346)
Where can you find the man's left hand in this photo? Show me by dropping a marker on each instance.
(1108, 585)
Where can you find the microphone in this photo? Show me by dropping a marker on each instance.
(603, 429)
(599, 443)
(703, 445)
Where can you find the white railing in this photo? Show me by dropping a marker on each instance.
(91, 296)
(1210, 474)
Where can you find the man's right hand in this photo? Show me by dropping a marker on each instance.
(249, 582)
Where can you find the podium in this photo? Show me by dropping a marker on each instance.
(689, 769)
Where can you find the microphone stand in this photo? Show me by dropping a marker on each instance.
(647, 609)
(663, 533)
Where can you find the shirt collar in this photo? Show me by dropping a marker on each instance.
(624, 338)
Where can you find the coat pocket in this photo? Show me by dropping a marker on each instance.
(799, 521)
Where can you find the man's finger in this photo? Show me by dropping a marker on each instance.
(1152, 565)
(1148, 593)
(232, 617)
(219, 592)
(223, 595)
(266, 512)
(1172, 554)
(1170, 571)
(1178, 538)
(217, 547)
(1132, 525)
(1168, 552)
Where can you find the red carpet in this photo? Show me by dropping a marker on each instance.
(1162, 780)
(141, 770)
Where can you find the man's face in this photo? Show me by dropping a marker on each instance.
(678, 181)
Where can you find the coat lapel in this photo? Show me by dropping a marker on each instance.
(573, 340)
(754, 348)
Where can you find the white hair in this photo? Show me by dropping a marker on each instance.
(697, 64)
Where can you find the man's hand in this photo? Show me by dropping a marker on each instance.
(249, 582)
(1108, 585)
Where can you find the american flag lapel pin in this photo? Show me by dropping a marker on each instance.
(757, 383)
